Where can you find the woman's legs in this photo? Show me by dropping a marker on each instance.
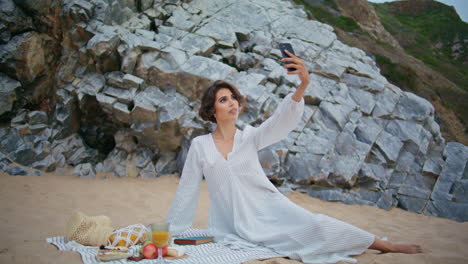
(389, 247)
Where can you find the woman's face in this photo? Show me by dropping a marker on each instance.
(226, 106)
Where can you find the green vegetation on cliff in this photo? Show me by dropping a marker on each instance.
(432, 33)
(322, 14)
(435, 34)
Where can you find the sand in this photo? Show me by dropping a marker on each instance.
(34, 208)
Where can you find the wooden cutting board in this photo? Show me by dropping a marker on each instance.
(180, 257)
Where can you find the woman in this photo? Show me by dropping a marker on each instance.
(243, 202)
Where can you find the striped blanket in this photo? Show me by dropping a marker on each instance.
(209, 253)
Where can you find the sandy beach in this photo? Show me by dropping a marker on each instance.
(37, 207)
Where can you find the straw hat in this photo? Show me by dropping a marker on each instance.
(88, 230)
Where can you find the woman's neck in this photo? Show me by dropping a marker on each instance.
(225, 131)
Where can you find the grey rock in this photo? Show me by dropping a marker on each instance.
(139, 43)
(303, 168)
(196, 44)
(139, 21)
(91, 84)
(8, 88)
(363, 83)
(243, 61)
(125, 140)
(309, 31)
(73, 149)
(106, 102)
(415, 192)
(432, 126)
(397, 179)
(341, 170)
(122, 113)
(101, 45)
(13, 19)
(149, 171)
(447, 209)
(369, 196)
(183, 20)
(460, 191)
(333, 116)
(222, 32)
(330, 194)
(132, 81)
(385, 103)
(411, 160)
(375, 173)
(367, 130)
(11, 141)
(66, 116)
(19, 119)
(115, 79)
(85, 170)
(412, 204)
(422, 182)
(321, 144)
(143, 157)
(319, 89)
(17, 171)
(390, 145)
(24, 154)
(251, 85)
(410, 131)
(386, 200)
(207, 68)
(433, 164)
(26, 57)
(4, 158)
(37, 117)
(412, 107)
(270, 162)
(125, 96)
(364, 99)
(347, 144)
(129, 59)
(166, 163)
(38, 129)
(452, 172)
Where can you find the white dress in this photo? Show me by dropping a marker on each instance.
(245, 207)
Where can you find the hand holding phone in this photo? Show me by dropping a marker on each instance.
(299, 66)
(288, 47)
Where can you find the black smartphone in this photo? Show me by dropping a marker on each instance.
(288, 47)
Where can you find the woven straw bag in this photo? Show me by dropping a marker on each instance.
(88, 230)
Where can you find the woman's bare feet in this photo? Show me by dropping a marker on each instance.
(389, 247)
(404, 248)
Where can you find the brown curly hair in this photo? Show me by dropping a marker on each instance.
(207, 109)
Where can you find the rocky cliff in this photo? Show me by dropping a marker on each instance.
(114, 86)
(419, 46)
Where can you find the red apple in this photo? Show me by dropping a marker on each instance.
(149, 251)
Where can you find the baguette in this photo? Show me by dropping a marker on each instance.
(112, 253)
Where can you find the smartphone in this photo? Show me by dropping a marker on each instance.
(288, 47)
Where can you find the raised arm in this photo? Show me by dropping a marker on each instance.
(289, 113)
(184, 204)
(277, 127)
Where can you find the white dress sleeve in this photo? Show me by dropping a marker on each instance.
(277, 127)
(185, 202)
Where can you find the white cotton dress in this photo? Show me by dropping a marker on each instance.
(245, 207)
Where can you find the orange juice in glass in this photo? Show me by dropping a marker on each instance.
(160, 238)
(160, 235)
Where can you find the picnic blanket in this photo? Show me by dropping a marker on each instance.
(209, 253)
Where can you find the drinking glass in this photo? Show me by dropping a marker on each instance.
(160, 238)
